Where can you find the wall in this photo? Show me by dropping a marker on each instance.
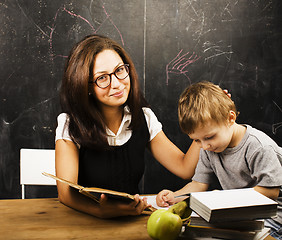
(236, 44)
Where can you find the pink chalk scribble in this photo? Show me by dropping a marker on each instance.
(72, 14)
(179, 65)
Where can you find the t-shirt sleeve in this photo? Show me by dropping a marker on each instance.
(62, 130)
(265, 167)
(153, 123)
(204, 172)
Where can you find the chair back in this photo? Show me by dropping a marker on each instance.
(32, 163)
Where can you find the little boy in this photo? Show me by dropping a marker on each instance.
(236, 155)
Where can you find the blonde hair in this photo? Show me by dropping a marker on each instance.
(203, 102)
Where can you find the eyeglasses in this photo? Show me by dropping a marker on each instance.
(105, 80)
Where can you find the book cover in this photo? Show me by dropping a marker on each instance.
(94, 192)
(245, 225)
(232, 205)
(192, 232)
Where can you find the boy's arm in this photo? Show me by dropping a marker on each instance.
(166, 197)
(266, 166)
(272, 192)
(193, 186)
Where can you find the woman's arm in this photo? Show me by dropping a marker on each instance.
(172, 158)
(67, 157)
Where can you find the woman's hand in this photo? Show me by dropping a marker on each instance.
(109, 208)
(165, 198)
(227, 93)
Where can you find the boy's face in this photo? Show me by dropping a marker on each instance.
(213, 137)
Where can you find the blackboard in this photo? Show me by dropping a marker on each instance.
(236, 44)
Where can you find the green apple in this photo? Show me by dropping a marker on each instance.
(182, 209)
(164, 225)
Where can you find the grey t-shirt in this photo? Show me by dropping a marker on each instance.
(257, 160)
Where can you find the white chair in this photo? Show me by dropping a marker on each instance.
(32, 163)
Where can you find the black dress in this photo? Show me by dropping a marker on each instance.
(120, 168)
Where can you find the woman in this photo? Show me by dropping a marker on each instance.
(105, 127)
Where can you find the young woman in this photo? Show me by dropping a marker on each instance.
(105, 127)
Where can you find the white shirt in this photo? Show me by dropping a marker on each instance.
(123, 134)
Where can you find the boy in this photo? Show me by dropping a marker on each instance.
(238, 156)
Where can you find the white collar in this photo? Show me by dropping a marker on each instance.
(126, 120)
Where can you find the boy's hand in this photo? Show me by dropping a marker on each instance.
(165, 198)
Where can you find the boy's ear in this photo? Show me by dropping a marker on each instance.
(232, 117)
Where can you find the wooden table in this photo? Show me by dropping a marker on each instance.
(49, 219)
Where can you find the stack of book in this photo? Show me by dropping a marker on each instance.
(199, 228)
(229, 214)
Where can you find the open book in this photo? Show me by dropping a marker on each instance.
(94, 192)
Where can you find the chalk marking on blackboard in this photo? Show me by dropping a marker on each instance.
(51, 34)
(41, 30)
(53, 27)
(31, 20)
(79, 16)
(90, 5)
(108, 16)
(226, 9)
(3, 5)
(275, 126)
(268, 5)
(218, 54)
(190, 5)
(144, 51)
(200, 32)
(210, 48)
(11, 75)
(216, 51)
(64, 9)
(19, 117)
(179, 64)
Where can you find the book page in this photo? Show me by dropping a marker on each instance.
(232, 198)
(151, 199)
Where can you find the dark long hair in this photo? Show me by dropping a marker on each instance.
(86, 124)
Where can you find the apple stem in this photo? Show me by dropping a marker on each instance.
(185, 219)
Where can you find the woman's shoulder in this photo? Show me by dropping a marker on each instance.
(62, 117)
(62, 131)
(148, 111)
(149, 114)
(153, 123)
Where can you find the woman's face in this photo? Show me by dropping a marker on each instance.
(116, 94)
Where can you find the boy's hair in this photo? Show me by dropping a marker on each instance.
(203, 102)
